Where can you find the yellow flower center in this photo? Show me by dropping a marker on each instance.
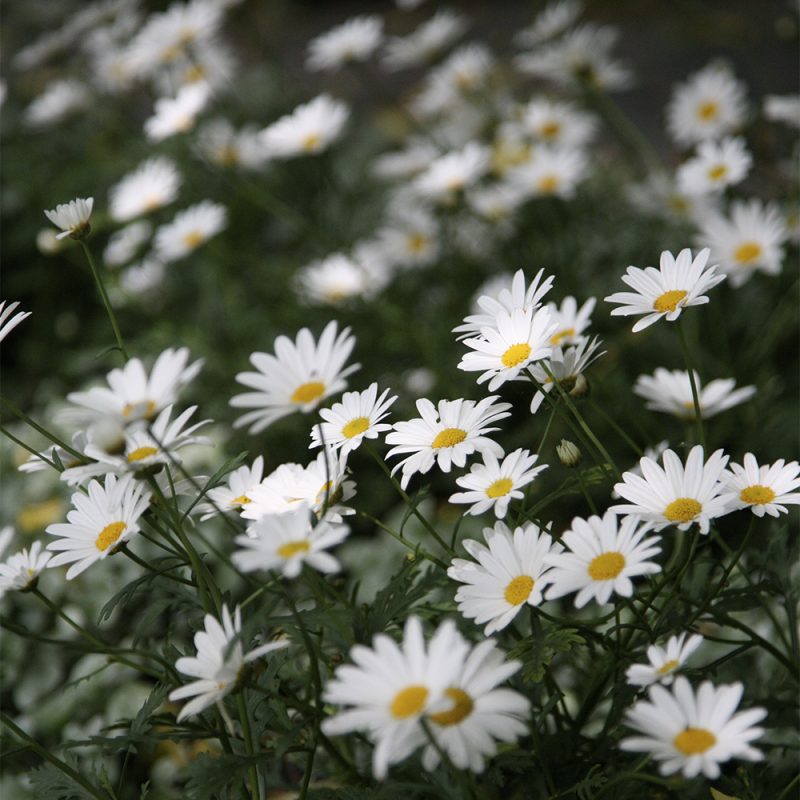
(356, 426)
(193, 239)
(747, 252)
(518, 590)
(693, 741)
(109, 535)
(559, 337)
(449, 437)
(293, 548)
(684, 509)
(226, 155)
(417, 243)
(718, 172)
(516, 354)
(707, 111)
(308, 392)
(500, 488)
(141, 453)
(241, 500)
(193, 74)
(547, 184)
(678, 204)
(757, 495)
(311, 143)
(461, 708)
(145, 409)
(668, 301)
(409, 702)
(550, 129)
(667, 667)
(606, 566)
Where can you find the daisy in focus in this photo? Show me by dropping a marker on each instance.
(388, 688)
(445, 434)
(694, 732)
(219, 666)
(9, 322)
(354, 40)
(356, 417)
(99, 523)
(479, 714)
(716, 166)
(20, 572)
(308, 130)
(664, 661)
(507, 573)
(233, 497)
(670, 391)
(189, 229)
(764, 489)
(153, 184)
(72, 218)
(287, 541)
(495, 484)
(298, 377)
(665, 292)
(571, 321)
(676, 495)
(602, 556)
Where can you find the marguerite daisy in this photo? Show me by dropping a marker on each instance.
(308, 130)
(445, 434)
(453, 172)
(495, 484)
(691, 732)
(189, 229)
(298, 377)
(664, 661)
(99, 524)
(233, 497)
(716, 166)
(603, 555)
(676, 495)
(21, 572)
(8, 322)
(552, 172)
(765, 490)
(570, 320)
(564, 366)
(665, 292)
(219, 665)
(428, 40)
(153, 184)
(287, 541)
(72, 217)
(357, 417)
(511, 572)
(177, 114)
(354, 40)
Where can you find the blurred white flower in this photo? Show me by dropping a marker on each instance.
(354, 40)
(308, 130)
(152, 185)
(189, 229)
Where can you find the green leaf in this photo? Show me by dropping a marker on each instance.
(209, 774)
(50, 783)
(537, 652)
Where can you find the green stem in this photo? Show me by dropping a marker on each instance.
(249, 744)
(56, 762)
(39, 429)
(619, 430)
(104, 296)
(414, 548)
(698, 419)
(586, 494)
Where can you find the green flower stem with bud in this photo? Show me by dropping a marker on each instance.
(698, 417)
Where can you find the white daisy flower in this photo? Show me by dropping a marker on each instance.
(783, 108)
(323, 485)
(389, 688)
(665, 292)
(710, 104)
(566, 365)
(354, 40)
(153, 184)
(133, 395)
(765, 490)
(411, 240)
(356, 417)
(308, 130)
(603, 555)
(570, 320)
(99, 524)
(124, 243)
(9, 322)
(557, 123)
(177, 114)
(219, 665)
(21, 572)
(664, 661)
(716, 166)
(189, 229)
(496, 484)
(691, 732)
(554, 19)
(59, 99)
(298, 377)
(479, 714)
(143, 278)
(511, 572)
(495, 203)
(505, 296)
(233, 497)
(515, 341)
(553, 172)
(426, 42)
(670, 391)
(658, 194)
(445, 434)
(406, 163)
(453, 172)
(749, 239)
(674, 494)
(338, 278)
(653, 453)
(72, 217)
(287, 541)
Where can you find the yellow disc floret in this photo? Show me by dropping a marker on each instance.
(668, 301)
(757, 495)
(109, 535)
(500, 488)
(461, 708)
(355, 427)
(449, 437)
(308, 392)
(694, 741)
(606, 566)
(684, 509)
(518, 590)
(516, 354)
(293, 548)
(409, 702)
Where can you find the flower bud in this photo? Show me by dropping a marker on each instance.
(568, 453)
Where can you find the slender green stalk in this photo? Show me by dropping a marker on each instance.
(414, 548)
(698, 418)
(586, 494)
(104, 296)
(546, 429)
(49, 757)
(249, 744)
(30, 449)
(39, 429)
(619, 430)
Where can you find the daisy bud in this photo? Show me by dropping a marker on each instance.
(568, 453)
(581, 387)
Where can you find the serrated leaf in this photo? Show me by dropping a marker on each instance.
(537, 652)
(717, 795)
(50, 783)
(210, 775)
